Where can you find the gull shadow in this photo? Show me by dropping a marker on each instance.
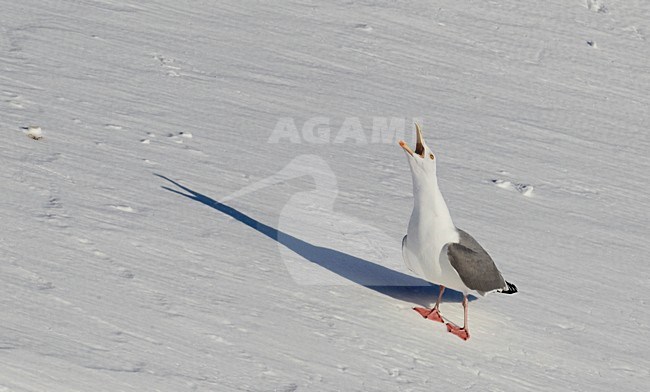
(376, 277)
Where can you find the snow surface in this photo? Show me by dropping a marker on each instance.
(113, 277)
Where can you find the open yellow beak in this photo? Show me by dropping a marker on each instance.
(419, 145)
(406, 147)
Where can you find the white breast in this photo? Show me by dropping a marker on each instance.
(428, 258)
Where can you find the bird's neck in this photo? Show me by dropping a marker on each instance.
(430, 211)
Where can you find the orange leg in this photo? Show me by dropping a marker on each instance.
(432, 314)
(462, 333)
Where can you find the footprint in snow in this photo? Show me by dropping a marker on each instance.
(523, 189)
(168, 65)
(596, 6)
(126, 274)
(44, 285)
(178, 137)
(101, 255)
(124, 208)
(363, 27)
(287, 388)
(147, 140)
(14, 100)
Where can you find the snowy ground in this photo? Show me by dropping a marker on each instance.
(118, 271)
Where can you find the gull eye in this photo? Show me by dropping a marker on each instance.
(431, 156)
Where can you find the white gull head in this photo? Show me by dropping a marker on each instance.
(422, 162)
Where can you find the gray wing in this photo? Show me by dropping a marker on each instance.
(474, 265)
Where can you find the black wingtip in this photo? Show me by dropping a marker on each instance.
(511, 289)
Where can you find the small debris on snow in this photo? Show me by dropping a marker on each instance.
(34, 132)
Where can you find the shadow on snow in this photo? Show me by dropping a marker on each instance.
(363, 272)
